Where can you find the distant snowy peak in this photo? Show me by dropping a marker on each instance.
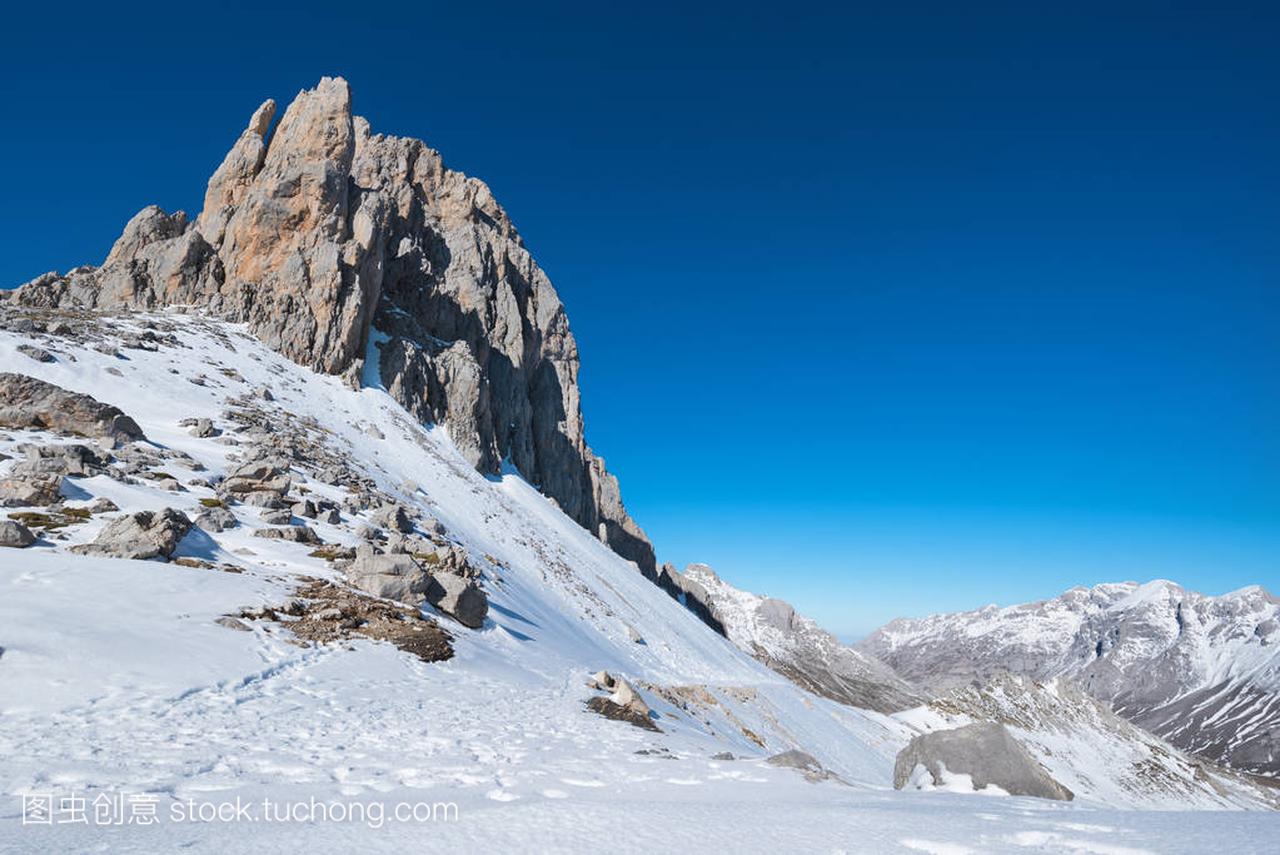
(796, 647)
(1162, 655)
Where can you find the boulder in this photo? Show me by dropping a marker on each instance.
(393, 517)
(262, 499)
(26, 402)
(394, 577)
(141, 535)
(459, 597)
(15, 535)
(19, 492)
(215, 520)
(306, 509)
(36, 353)
(986, 752)
(806, 763)
(291, 533)
(259, 476)
(204, 428)
(49, 460)
(625, 704)
(277, 516)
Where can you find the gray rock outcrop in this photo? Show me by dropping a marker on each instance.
(320, 233)
(987, 753)
(26, 402)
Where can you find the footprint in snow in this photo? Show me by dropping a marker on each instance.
(500, 795)
(555, 794)
(579, 782)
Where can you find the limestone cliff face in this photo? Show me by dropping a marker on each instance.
(322, 235)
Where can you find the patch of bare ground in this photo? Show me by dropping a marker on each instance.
(323, 613)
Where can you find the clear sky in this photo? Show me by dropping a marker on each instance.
(886, 310)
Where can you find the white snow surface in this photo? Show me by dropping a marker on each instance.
(116, 680)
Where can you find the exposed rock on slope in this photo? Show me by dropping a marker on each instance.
(320, 234)
(986, 753)
(26, 402)
(799, 649)
(1203, 672)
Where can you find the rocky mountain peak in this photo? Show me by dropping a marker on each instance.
(334, 244)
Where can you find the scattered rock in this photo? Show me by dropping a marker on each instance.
(986, 752)
(306, 509)
(15, 535)
(141, 535)
(103, 505)
(724, 755)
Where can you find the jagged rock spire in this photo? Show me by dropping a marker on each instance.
(319, 232)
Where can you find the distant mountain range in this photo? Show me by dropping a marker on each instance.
(1203, 672)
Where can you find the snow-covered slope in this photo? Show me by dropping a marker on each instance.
(796, 647)
(1203, 672)
(118, 677)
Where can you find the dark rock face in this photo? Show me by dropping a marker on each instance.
(691, 594)
(322, 233)
(987, 753)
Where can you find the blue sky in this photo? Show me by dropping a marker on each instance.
(881, 311)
